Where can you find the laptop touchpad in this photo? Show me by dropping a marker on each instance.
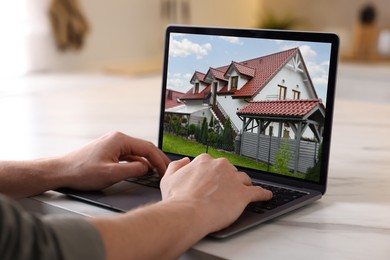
(126, 195)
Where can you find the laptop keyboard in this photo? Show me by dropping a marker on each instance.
(280, 197)
(149, 179)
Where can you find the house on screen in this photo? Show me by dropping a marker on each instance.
(269, 100)
(222, 91)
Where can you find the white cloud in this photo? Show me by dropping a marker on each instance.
(186, 48)
(231, 39)
(318, 73)
(179, 81)
(188, 76)
(308, 53)
(321, 80)
(325, 63)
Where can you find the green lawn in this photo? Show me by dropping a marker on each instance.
(176, 144)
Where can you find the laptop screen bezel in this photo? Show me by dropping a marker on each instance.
(320, 37)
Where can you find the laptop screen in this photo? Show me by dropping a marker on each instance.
(258, 98)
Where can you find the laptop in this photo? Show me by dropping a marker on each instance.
(263, 99)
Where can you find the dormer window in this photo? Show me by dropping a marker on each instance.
(233, 82)
(196, 88)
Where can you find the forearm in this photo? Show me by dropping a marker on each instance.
(164, 230)
(27, 178)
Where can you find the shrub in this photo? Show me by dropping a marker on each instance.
(204, 132)
(228, 136)
(282, 159)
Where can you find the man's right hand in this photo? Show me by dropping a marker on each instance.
(218, 190)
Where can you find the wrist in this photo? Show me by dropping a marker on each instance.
(50, 173)
(29, 178)
(168, 222)
(197, 212)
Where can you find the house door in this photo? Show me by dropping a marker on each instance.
(215, 87)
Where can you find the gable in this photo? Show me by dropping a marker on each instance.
(266, 68)
(197, 77)
(214, 74)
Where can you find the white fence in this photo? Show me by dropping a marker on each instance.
(263, 148)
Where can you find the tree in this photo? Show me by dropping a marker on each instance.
(191, 129)
(213, 138)
(211, 124)
(282, 158)
(197, 133)
(227, 136)
(204, 131)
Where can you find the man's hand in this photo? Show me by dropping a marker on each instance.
(214, 186)
(99, 164)
(109, 159)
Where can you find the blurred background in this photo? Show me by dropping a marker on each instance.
(71, 70)
(127, 36)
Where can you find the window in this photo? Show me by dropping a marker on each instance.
(296, 94)
(196, 90)
(234, 83)
(282, 92)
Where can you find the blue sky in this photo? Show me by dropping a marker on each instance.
(190, 53)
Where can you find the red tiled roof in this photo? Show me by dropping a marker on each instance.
(245, 70)
(172, 100)
(266, 67)
(218, 74)
(296, 108)
(201, 95)
(263, 70)
(198, 75)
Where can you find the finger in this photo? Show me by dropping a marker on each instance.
(132, 158)
(202, 157)
(148, 150)
(122, 171)
(245, 179)
(257, 193)
(177, 165)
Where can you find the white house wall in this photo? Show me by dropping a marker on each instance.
(196, 118)
(230, 106)
(291, 80)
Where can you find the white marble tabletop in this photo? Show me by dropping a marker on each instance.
(52, 114)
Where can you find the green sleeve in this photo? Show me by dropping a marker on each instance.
(27, 236)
